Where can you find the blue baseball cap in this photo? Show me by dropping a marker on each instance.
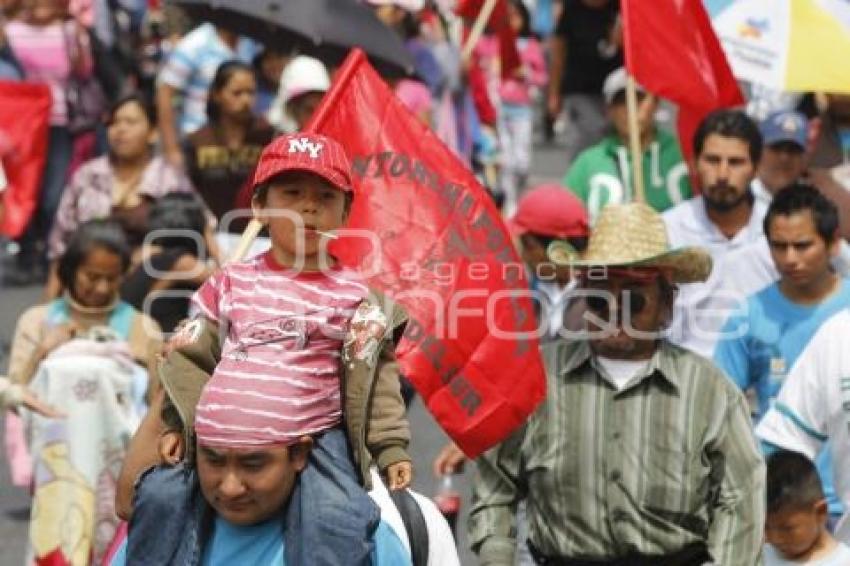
(785, 126)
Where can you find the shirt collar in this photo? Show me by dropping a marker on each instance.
(750, 231)
(662, 362)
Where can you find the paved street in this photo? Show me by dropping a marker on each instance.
(427, 440)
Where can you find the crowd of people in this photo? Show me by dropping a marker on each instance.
(169, 406)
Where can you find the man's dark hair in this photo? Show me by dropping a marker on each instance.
(170, 416)
(799, 197)
(178, 212)
(91, 235)
(792, 482)
(730, 124)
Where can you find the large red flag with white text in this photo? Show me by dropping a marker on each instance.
(672, 51)
(24, 114)
(470, 347)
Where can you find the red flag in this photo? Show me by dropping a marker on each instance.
(470, 347)
(24, 114)
(469, 10)
(672, 51)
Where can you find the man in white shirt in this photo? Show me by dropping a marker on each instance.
(726, 217)
(813, 406)
(784, 161)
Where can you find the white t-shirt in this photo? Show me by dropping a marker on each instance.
(838, 557)
(621, 371)
(814, 405)
(702, 308)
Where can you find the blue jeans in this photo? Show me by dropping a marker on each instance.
(329, 520)
(60, 149)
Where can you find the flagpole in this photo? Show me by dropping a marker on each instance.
(252, 230)
(638, 193)
(478, 29)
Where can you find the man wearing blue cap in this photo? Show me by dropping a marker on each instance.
(783, 161)
(786, 159)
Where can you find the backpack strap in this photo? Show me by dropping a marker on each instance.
(414, 524)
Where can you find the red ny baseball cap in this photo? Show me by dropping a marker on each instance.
(313, 153)
(550, 210)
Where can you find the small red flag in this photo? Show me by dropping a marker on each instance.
(470, 347)
(672, 51)
(24, 114)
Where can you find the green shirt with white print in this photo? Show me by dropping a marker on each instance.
(602, 174)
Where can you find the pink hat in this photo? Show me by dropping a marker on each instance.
(313, 153)
(550, 210)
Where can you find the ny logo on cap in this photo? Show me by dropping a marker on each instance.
(300, 145)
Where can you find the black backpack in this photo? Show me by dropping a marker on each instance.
(414, 524)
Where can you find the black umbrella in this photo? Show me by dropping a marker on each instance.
(326, 29)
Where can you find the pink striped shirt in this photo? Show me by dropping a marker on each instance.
(279, 374)
(43, 54)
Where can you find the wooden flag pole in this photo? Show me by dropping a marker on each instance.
(638, 192)
(478, 29)
(248, 236)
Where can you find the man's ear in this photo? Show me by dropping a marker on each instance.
(171, 447)
(300, 451)
(821, 510)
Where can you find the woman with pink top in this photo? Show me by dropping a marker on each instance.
(516, 114)
(50, 50)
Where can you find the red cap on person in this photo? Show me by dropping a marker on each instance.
(309, 152)
(550, 210)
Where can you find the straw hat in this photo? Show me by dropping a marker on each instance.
(634, 235)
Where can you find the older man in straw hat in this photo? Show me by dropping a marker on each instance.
(642, 453)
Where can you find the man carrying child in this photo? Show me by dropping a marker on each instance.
(295, 379)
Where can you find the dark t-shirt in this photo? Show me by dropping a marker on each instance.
(586, 32)
(218, 172)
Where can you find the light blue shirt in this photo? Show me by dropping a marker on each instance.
(777, 330)
(191, 67)
(262, 545)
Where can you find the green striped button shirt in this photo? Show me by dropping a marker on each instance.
(667, 461)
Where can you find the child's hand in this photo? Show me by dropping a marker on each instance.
(400, 475)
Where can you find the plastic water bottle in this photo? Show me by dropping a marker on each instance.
(448, 501)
